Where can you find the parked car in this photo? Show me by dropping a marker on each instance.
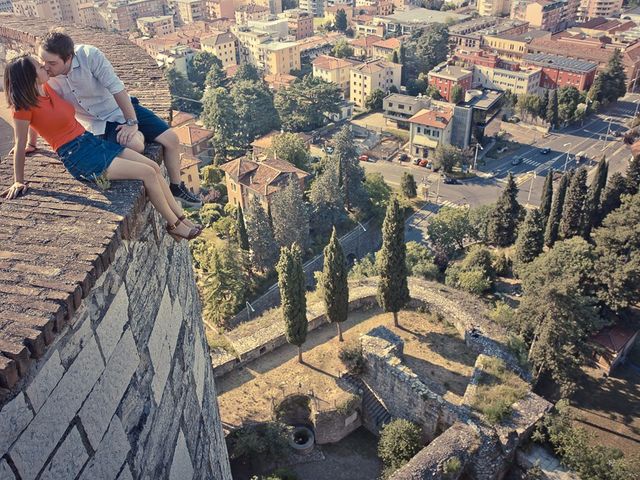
(363, 158)
(416, 161)
(517, 161)
(581, 157)
(403, 157)
(514, 119)
(451, 181)
(545, 150)
(424, 162)
(616, 133)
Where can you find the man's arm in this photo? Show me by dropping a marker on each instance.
(126, 133)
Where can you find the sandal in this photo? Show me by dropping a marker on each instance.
(195, 225)
(193, 233)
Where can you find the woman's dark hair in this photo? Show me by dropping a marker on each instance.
(59, 44)
(20, 76)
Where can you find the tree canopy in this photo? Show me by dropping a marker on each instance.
(293, 301)
(335, 289)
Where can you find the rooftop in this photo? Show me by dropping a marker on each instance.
(192, 134)
(432, 117)
(326, 62)
(391, 43)
(218, 38)
(563, 63)
(451, 72)
(423, 16)
(178, 118)
(264, 177)
(374, 66)
(251, 8)
(526, 37)
(482, 99)
(365, 41)
(614, 338)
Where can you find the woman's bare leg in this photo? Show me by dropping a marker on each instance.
(124, 169)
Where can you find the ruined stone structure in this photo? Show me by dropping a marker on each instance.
(104, 368)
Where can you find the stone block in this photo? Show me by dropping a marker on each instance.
(77, 338)
(199, 364)
(97, 411)
(34, 446)
(14, 417)
(45, 381)
(110, 329)
(5, 471)
(125, 474)
(68, 460)
(110, 455)
(181, 468)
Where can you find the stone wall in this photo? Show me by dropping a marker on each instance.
(332, 425)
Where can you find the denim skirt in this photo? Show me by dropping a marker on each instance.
(87, 156)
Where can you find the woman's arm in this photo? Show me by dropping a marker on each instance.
(21, 132)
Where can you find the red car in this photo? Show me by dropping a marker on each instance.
(424, 162)
(363, 158)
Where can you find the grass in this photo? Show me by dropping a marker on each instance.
(217, 341)
(498, 388)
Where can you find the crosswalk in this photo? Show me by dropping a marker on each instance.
(447, 203)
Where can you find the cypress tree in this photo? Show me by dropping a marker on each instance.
(611, 198)
(264, 249)
(291, 281)
(530, 237)
(615, 83)
(544, 104)
(335, 288)
(393, 290)
(633, 176)
(241, 231)
(553, 222)
(408, 185)
(552, 109)
(594, 194)
(547, 197)
(289, 216)
(503, 221)
(572, 221)
(394, 57)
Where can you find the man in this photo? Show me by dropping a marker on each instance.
(83, 76)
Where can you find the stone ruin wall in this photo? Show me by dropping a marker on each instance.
(104, 368)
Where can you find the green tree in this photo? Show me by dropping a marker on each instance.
(504, 219)
(342, 49)
(457, 94)
(335, 288)
(394, 57)
(572, 221)
(241, 231)
(615, 81)
(544, 103)
(596, 92)
(408, 185)
(553, 222)
(568, 100)
(351, 172)
(618, 252)
(399, 442)
(291, 148)
(425, 48)
(374, 101)
(420, 262)
(199, 66)
(216, 77)
(327, 200)
(479, 222)
(306, 104)
(290, 217)
(594, 196)
(378, 193)
(293, 301)
(182, 90)
(224, 285)
(449, 230)
(393, 290)
(253, 106)
(612, 196)
(246, 71)
(552, 110)
(547, 197)
(219, 115)
(633, 176)
(448, 156)
(264, 249)
(530, 237)
(341, 20)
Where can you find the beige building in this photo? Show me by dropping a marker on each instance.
(38, 8)
(336, 70)
(189, 172)
(281, 57)
(189, 11)
(493, 8)
(155, 26)
(89, 16)
(121, 16)
(429, 128)
(363, 46)
(274, 6)
(590, 9)
(385, 48)
(542, 14)
(370, 76)
(513, 46)
(244, 13)
(223, 45)
(519, 82)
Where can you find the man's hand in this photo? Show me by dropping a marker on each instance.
(15, 190)
(126, 133)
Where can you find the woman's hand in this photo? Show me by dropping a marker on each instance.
(30, 148)
(15, 190)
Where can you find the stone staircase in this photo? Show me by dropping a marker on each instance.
(373, 409)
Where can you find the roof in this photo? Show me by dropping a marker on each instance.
(482, 99)
(178, 118)
(433, 118)
(526, 37)
(326, 62)
(374, 66)
(265, 177)
(614, 338)
(187, 161)
(266, 141)
(560, 62)
(281, 78)
(251, 8)
(218, 38)
(367, 41)
(391, 43)
(404, 99)
(192, 134)
(424, 16)
(451, 72)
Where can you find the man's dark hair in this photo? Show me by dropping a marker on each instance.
(20, 83)
(59, 44)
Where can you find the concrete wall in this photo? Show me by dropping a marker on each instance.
(126, 391)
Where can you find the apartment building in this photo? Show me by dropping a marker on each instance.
(223, 45)
(313, 7)
(276, 27)
(155, 26)
(189, 172)
(189, 11)
(300, 23)
(558, 71)
(5, 6)
(89, 16)
(121, 15)
(428, 128)
(274, 6)
(244, 13)
(493, 8)
(194, 140)
(363, 46)
(512, 46)
(38, 8)
(525, 81)
(335, 70)
(386, 48)
(590, 9)
(280, 57)
(370, 76)
(541, 14)
(363, 28)
(312, 47)
(471, 34)
(445, 77)
(400, 108)
(219, 9)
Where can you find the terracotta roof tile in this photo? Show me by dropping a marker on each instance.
(433, 118)
(179, 118)
(192, 134)
(367, 41)
(326, 62)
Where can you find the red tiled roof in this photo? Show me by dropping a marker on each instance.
(187, 161)
(264, 177)
(179, 118)
(192, 134)
(433, 118)
(365, 42)
(325, 62)
(614, 338)
(391, 43)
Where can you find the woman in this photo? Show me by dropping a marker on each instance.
(84, 155)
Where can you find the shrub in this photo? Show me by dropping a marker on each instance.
(502, 265)
(364, 268)
(451, 465)
(350, 355)
(474, 281)
(346, 407)
(263, 441)
(399, 441)
(479, 257)
(503, 315)
(420, 262)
